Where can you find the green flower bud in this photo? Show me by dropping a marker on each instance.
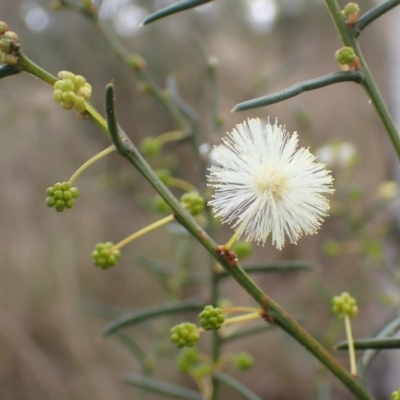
(187, 359)
(345, 55)
(65, 105)
(105, 256)
(85, 91)
(61, 196)
(201, 370)
(244, 360)
(165, 176)
(79, 104)
(350, 8)
(150, 146)
(344, 305)
(160, 205)
(193, 202)
(10, 59)
(66, 75)
(79, 81)
(242, 249)
(3, 28)
(5, 46)
(211, 318)
(58, 95)
(137, 62)
(69, 97)
(11, 36)
(184, 335)
(395, 395)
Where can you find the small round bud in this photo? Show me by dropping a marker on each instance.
(395, 395)
(187, 359)
(66, 75)
(79, 81)
(165, 176)
(58, 95)
(137, 62)
(350, 8)
(388, 190)
(105, 255)
(184, 334)
(5, 46)
(201, 370)
(69, 97)
(150, 146)
(193, 202)
(160, 205)
(244, 360)
(242, 249)
(79, 104)
(346, 55)
(3, 27)
(10, 59)
(65, 105)
(10, 35)
(211, 318)
(344, 305)
(85, 91)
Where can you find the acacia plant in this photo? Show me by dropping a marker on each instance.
(256, 180)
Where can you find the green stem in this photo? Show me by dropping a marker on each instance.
(368, 82)
(273, 312)
(143, 231)
(88, 163)
(373, 14)
(352, 354)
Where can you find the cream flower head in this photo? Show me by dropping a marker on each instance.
(264, 185)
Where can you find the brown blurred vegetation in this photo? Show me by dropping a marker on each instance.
(50, 348)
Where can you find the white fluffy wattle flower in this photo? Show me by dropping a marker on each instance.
(264, 185)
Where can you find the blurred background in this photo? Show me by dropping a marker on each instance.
(50, 344)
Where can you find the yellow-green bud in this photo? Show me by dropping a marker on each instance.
(350, 8)
(193, 202)
(69, 97)
(344, 305)
(345, 55)
(10, 59)
(137, 62)
(79, 81)
(85, 91)
(165, 176)
(79, 104)
(11, 36)
(5, 46)
(242, 249)
(3, 27)
(395, 395)
(66, 75)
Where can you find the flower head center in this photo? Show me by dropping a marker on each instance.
(270, 181)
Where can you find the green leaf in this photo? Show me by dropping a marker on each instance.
(388, 330)
(298, 88)
(276, 266)
(236, 385)
(370, 343)
(157, 386)
(153, 312)
(173, 9)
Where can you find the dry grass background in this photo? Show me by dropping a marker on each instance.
(49, 348)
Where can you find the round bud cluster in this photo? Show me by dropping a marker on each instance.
(150, 146)
(344, 305)
(105, 256)
(61, 195)
(211, 318)
(347, 58)
(184, 334)
(351, 13)
(242, 249)
(244, 360)
(137, 62)
(395, 395)
(193, 202)
(201, 370)
(164, 176)
(160, 205)
(187, 359)
(71, 91)
(9, 45)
